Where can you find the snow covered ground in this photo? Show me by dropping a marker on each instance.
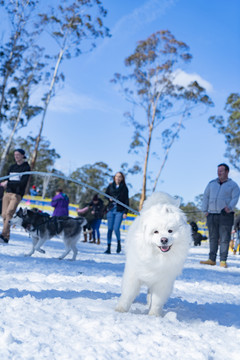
(52, 309)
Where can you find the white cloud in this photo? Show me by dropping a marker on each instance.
(184, 79)
(147, 13)
(68, 101)
(140, 16)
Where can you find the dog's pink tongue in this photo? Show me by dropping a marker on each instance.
(165, 248)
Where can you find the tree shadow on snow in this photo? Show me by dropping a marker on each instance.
(222, 313)
(53, 294)
(51, 264)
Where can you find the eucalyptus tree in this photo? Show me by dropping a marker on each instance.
(47, 157)
(156, 96)
(230, 128)
(97, 175)
(74, 25)
(20, 111)
(193, 213)
(19, 15)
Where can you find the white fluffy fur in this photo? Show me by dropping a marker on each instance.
(161, 222)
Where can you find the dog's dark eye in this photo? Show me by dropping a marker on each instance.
(170, 231)
(156, 232)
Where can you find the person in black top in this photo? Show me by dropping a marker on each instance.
(115, 212)
(15, 188)
(96, 206)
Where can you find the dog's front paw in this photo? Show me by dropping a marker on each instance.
(155, 312)
(27, 255)
(41, 251)
(120, 308)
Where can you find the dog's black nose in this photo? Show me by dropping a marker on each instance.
(164, 240)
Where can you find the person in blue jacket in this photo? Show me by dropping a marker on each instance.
(33, 191)
(60, 202)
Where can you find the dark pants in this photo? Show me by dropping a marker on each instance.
(219, 227)
(95, 226)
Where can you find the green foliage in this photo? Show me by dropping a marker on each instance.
(150, 86)
(72, 22)
(192, 212)
(230, 128)
(134, 201)
(97, 175)
(54, 183)
(19, 41)
(46, 157)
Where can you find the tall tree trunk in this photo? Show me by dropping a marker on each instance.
(46, 180)
(38, 139)
(167, 152)
(151, 124)
(7, 74)
(34, 155)
(7, 147)
(144, 187)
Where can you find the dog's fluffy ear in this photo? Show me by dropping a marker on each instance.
(169, 209)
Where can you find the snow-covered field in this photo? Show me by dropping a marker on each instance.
(52, 309)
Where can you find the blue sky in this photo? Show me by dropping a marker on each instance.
(85, 120)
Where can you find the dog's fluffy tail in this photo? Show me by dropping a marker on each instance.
(160, 198)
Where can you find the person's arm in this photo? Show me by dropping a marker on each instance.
(24, 178)
(83, 210)
(126, 202)
(235, 197)
(206, 200)
(55, 200)
(4, 184)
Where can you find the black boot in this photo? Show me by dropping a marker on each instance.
(119, 248)
(108, 251)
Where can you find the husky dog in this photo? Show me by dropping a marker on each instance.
(42, 227)
(156, 248)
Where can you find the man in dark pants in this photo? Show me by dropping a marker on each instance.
(15, 189)
(219, 200)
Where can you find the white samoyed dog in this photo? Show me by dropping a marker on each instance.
(157, 245)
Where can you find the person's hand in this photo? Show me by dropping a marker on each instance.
(227, 209)
(124, 216)
(4, 184)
